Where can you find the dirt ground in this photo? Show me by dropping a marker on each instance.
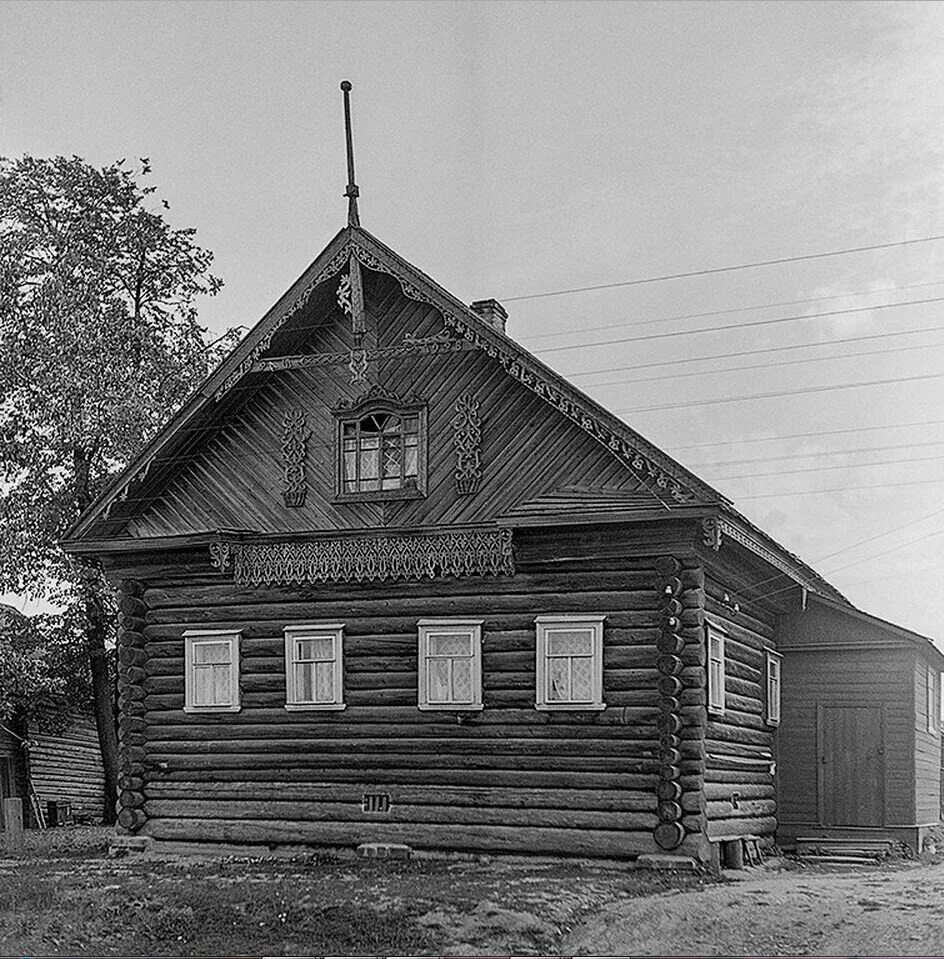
(65, 897)
(890, 910)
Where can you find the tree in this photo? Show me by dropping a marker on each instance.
(99, 344)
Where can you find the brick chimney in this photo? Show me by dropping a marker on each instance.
(492, 312)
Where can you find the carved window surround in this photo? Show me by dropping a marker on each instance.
(473, 552)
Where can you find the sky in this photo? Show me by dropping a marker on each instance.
(514, 148)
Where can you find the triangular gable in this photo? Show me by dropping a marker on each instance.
(662, 478)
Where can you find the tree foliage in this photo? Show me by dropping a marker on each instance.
(99, 342)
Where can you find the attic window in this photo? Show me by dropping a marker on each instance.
(381, 454)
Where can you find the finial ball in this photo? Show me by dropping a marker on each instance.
(346, 85)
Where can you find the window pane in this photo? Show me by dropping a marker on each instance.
(202, 686)
(369, 464)
(371, 424)
(462, 680)
(557, 686)
(438, 672)
(450, 644)
(410, 467)
(581, 678)
(411, 424)
(304, 682)
(349, 430)
(350, 467)
(569, 642)
(206, 653)
(324, 682)
(221, 693)
(320, 647)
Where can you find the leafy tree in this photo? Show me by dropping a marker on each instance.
(26, 676)
(99, 344)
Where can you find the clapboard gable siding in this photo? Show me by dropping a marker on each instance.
(528, 448)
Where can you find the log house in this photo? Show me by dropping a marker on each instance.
(387, 577)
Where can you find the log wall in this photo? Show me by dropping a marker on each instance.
(509, 778)
(740, 763)
(66, 765)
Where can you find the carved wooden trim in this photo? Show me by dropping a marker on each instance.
(295, 435)
(711, 532)
(467, 441)
(368, 558)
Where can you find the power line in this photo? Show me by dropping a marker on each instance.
(763, 396)
(840, 489)
(768, 366)
(797, 436)
(738, 309)
(834, 466)
(765, 350)
(726, 269)
(888, 532)
(892, 549)
(803, 456)
(741, 326)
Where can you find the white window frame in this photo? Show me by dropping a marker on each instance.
(431, 627)
(716, 696)
(929, 690)
(774, 697)
(195, 637)
(334, 631)
(547, 624)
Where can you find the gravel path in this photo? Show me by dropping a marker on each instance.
(891, 910)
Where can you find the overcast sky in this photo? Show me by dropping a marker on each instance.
(511, 149)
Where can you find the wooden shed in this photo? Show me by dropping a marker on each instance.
(859, 746)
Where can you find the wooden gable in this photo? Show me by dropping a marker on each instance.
(223, 462)
(527, 452)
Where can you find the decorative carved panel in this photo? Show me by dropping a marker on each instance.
(467, 440)
(295, 435)
(368, 558)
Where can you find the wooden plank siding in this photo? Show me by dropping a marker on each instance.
(527, 449)
(66, 765)
(739, 743)
(509, 778)
(927, 745)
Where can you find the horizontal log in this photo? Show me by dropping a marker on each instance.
(399, 813)
(413, 795)
(722, 791)
(325, 762)
(604, 736)
(736, 828)
(721, 809)
(521, 778)
(734, 778)
(491, 838)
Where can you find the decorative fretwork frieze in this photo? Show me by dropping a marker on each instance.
(467, 440)
(711, 532)
(368, 558)
(295, 435)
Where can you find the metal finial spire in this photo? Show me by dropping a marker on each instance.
(353, 218)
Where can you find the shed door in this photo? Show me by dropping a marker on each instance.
(851, 766)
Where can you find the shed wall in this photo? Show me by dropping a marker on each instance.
(927, 745)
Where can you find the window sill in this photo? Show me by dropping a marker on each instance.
(379, 496)
(212, 709)
(568, 707)
(773, 722)
(716, 712)
(451, 707)
(316, 707)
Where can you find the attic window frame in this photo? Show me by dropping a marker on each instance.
(356, 415)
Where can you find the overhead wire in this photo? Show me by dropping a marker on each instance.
(779, 393)
(765, 350)
(797, 456)
(739, 309)
(727, 269)
(741, 326)
(833, 466)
